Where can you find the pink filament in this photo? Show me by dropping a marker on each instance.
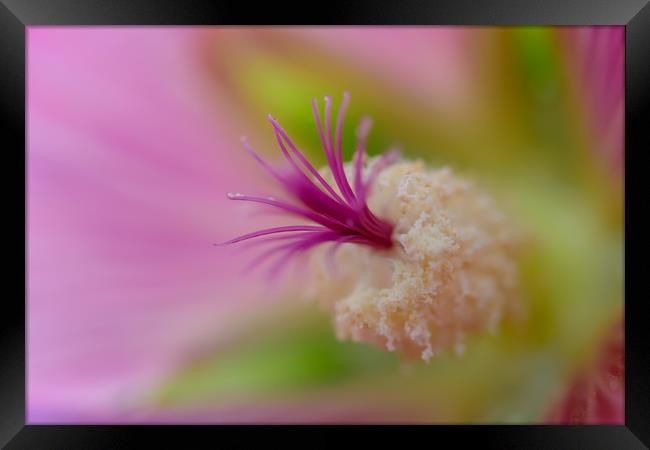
(341, 218)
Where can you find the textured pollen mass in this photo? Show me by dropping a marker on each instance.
(405, 257)
(452, 271)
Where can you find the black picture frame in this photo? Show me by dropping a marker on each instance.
(17, 15)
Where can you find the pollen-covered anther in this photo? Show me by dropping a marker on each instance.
(453, 272)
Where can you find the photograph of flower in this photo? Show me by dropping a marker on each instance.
(325, 225)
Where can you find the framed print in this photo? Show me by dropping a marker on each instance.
(377, 215)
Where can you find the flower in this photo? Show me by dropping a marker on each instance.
(441, 266)
(132, 135)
